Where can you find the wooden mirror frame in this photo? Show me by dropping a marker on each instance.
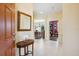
(19, 21)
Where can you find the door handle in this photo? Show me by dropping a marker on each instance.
(13, 34)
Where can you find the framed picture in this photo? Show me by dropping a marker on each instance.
(24, 22)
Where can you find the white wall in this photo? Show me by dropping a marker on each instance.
(28, 9)
(70, 29)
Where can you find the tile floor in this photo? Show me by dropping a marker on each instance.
(44, 48)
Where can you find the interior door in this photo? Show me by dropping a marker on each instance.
(2, 29)
(7, 21)
(9, 25)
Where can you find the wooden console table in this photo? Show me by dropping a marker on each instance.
(24, 44)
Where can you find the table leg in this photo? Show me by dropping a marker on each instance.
(32, 49)
(27, 49)
(24, 50)
(19, 51)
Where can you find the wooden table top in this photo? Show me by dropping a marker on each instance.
(24, 43)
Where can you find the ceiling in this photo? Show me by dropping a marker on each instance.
(43, 9)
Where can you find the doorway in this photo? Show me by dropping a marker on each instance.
(39, 29)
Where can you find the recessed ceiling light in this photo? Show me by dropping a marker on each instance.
(39, 20)
(41, 12)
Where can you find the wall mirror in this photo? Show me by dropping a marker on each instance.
(24, 22)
